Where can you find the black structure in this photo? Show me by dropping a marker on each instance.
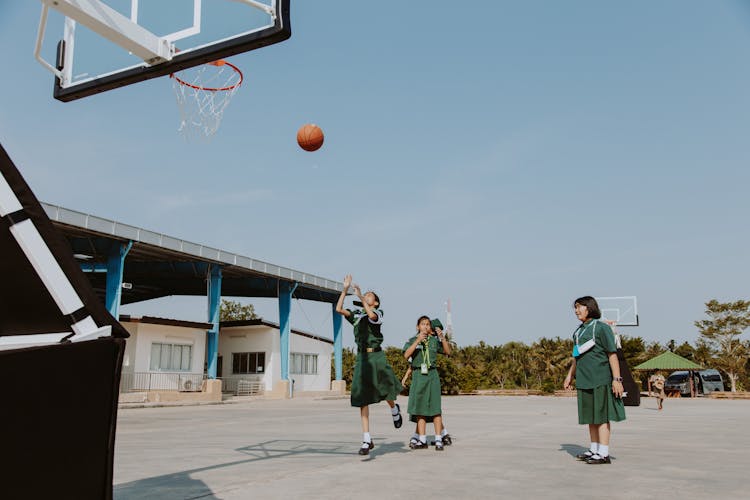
(628, 383)
(60, 400)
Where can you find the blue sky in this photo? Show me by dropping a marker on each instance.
(511, 156)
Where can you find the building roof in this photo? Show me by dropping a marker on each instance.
(259, 321)
(668, 361)
(158, 265)
(152, 320)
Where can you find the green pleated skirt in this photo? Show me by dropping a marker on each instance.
(424, 394)
(599, 406)
(374, 380)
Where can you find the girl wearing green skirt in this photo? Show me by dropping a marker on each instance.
(373, 380)
(598, 382)
(424, 392)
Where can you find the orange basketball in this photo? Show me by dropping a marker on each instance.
(310, 137)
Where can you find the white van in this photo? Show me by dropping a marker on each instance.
(705, 381)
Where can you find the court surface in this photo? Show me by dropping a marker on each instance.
(503, 447)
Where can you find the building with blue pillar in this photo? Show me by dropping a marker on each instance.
(154, 265)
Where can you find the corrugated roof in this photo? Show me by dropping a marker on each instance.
(668, 361)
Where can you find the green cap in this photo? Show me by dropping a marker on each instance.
(436, 324)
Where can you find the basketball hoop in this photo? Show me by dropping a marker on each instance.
(203, 93)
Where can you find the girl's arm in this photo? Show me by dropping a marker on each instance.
(412, 348)
(369, 310)
(340, 304)
(444, 341)
(614, 365)
(571, 375)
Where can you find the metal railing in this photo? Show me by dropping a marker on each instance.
(159, 381)
(242, 385)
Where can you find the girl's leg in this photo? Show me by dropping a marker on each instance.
(395, 413)
(364, 412)
(437, 420)
(421, 426)
(602, 454)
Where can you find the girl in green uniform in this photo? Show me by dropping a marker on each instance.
(598, 382)
(373, 379)
(424, 392)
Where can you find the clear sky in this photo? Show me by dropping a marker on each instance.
(510, 155)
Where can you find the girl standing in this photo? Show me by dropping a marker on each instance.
(373, 380)
(424, 392)
(598, 382)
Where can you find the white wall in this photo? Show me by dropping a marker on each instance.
(324, 350)
(262, 338)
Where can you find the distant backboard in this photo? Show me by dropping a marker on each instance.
(107, 44)
(623, 311)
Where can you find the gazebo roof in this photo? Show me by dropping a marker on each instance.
(668, 361)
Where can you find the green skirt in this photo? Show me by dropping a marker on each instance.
(374, 380)
(424, 394)
(599, 406)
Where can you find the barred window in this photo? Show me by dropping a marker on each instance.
(171, 357)
(248, 362)
(303, 364)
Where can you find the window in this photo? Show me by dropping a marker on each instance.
(304, 364)
(171, 357)
(248, 362)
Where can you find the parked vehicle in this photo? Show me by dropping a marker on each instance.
(705, 382)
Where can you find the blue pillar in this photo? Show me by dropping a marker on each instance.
(115, 265)
(214, 309)
(337, 342)
(286, 290)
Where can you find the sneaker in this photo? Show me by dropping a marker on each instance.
(398, 421)
(417, 445)
(439, 446)
(597, 459)
(585, 455)
(366, 447)
(447, 441)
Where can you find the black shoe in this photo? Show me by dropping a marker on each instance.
(584, 456)
(365, 450)
(417, 445)
(439, 446)
(397, 423)
(596, 459)
(447, 441)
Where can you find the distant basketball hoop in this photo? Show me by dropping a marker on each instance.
(203, 93)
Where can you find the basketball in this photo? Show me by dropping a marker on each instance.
(310, 137)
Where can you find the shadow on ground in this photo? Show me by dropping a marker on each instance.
(180, 485)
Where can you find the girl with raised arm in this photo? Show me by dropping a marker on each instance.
(374, 380)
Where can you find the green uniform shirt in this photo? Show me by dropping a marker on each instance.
(434, 347)
(592, 367)
(366, 331)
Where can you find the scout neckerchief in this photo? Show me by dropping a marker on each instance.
(425, 356)
(580, 349)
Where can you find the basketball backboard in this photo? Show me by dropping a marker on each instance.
(623, 311)
(107, 44)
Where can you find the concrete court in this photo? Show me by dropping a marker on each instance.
(504, 447)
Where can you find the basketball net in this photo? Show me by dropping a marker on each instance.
(203, 93)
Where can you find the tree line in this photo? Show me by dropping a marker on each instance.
(544, 364)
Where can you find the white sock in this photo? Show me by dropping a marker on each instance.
(594, 448)
(367, 438)
(415, 436)
(444, 432)
(603, 450)
(394, 410)
(423, 438)
(438, 439)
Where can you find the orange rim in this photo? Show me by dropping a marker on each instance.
(220, 62)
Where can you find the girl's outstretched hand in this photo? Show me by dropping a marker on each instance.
(347, 281)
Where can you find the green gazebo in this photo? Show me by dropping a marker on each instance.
(671, 361)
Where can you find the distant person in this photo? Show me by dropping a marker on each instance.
(373, 380)
(424, 392)
(657, 382)
(596, 371)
